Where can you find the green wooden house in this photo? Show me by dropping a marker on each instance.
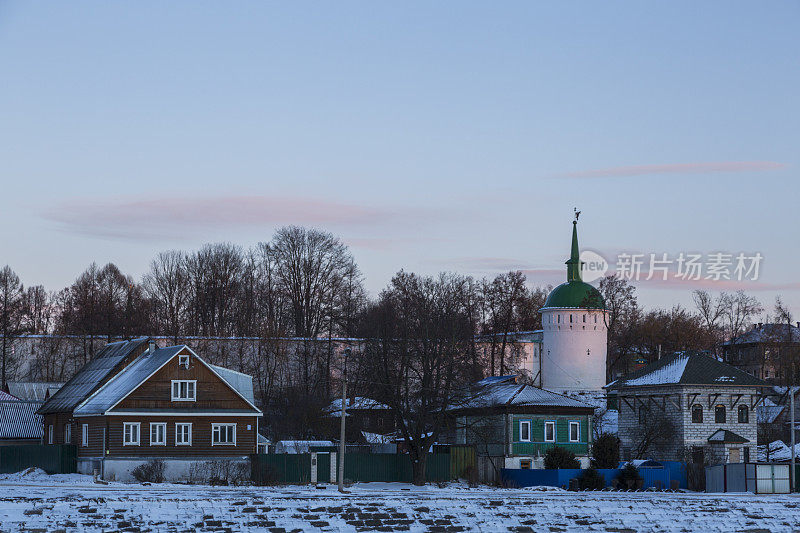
(512, 425)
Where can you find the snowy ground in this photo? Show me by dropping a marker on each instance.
(38, 502)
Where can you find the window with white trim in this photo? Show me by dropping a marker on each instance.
(550, 431)
(68, 434)
(183, 390)
(223, 434)
(158, 433)
(85, 435)
(574, 431)
(130, 433)
(183, 360)
(50, 434)
(525, 431)
(183, 434)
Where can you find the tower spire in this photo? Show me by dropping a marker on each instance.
(574, 262)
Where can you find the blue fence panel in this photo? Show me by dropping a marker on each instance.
(677, 470)
(560, 478)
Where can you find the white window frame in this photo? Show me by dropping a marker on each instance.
(574, 423)
(50, 431)
(163, 441)
(215, 428)
(85, 435)
(178, 432)
(68, 434)
(125, 426)
(178, 397)
(526, 423)
(550, 423)
(183, 360)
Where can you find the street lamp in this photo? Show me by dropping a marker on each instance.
(345, 353)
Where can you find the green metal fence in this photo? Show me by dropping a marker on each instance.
(53, 459)
(269, 468)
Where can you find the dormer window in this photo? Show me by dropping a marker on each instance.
(183, 390)
(183, 360)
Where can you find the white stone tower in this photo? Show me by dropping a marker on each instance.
(574, 344)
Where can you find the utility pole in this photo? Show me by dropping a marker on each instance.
(792, 391)
(345, 353)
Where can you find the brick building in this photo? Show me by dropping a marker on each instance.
(689, 404)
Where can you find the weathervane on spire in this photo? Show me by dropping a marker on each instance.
(577, 214)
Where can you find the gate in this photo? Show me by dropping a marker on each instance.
(462, 461)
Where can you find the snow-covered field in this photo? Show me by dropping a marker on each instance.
(37, 502)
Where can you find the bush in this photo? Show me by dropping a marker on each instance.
(221, 472)
(605, 451)
(558, 457)
(150, 472)
(629, 478)
(591, 480)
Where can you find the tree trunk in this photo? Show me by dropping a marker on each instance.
(418, 468)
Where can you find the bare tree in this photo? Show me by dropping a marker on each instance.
(623, 311)
(738, 309)
(420, 337)
(167, 285)
(654, 431)
(11, 316)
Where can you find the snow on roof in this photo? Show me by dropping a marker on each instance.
(723, 435)
(687, 368)
(669, 373)
(491, 380)
(377, 438)
(778, 451)
(33, 391)
(301, 446)
(334, 409)
(768, 333)
(512, 394)
(767, 411)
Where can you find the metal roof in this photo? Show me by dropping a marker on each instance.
(768, 333)
(126, 381)
(32, 391)
(18, 420)
(514, 395)
(687, 368)
(91, 376)
(239, 381)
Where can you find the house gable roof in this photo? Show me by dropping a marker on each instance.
(93, 374)
(505, 394)
(768, 333)
(33, 391)
(727, 437)
(688, 368)
(145, 366)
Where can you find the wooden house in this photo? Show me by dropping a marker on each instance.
(512, 425)
(135, 402)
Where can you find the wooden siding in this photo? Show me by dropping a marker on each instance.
(212, 393)
(538, 444)
(201, 437)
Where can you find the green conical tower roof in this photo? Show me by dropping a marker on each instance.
(575, 293)
(574, 261)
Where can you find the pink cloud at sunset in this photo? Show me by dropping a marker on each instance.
(177, 217)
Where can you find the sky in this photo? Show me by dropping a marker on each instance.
(430, 136)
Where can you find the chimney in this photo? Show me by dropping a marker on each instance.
(151, 347)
